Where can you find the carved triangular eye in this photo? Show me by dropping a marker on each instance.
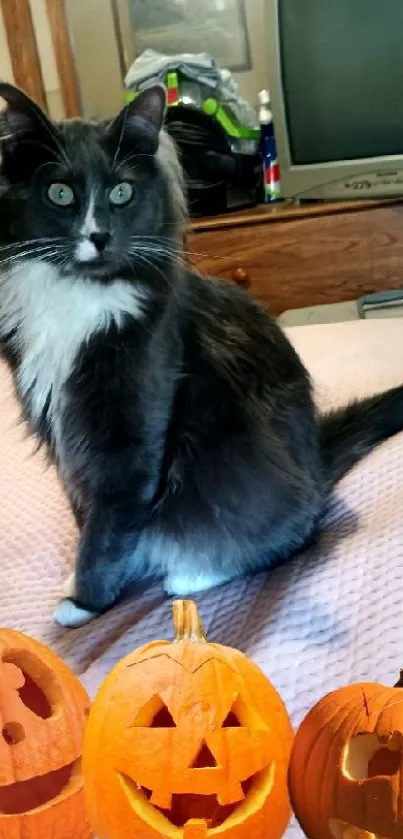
(243, 715)
(154, 714)
(231, 721)
(163, 719)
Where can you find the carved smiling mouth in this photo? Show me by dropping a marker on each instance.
(26, 796)
(344, 830)
(187, 807)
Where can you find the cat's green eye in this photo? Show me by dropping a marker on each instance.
(121, 194)
(61, 194)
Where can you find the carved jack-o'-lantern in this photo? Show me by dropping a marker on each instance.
(188, 741)
(43, 711)
(346, 769)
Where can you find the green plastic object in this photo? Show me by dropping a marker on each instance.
(234, 130)
(210, 106)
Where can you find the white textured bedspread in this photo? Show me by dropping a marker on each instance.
(330, 617)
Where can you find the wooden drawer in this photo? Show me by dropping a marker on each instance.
(288, 263)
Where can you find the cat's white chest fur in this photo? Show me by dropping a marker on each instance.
(53, 315)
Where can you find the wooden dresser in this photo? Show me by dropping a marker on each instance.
(289, 256)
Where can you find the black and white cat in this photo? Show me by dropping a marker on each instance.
(179, 416)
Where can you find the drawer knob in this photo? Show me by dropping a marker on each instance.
(240, 277)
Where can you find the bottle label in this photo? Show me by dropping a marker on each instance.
(272, 187)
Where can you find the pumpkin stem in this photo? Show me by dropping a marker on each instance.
(187, 622)
(399, 684)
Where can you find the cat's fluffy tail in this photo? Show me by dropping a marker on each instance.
(348, 434)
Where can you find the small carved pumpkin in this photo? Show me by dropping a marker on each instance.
(43, 711)
(346, 770)
(187, 741)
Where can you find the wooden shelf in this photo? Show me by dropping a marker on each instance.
(284, 211)
(292, 256)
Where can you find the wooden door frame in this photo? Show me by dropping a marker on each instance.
(25, 60)
(23, 48)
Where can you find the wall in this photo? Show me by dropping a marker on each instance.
(251, 82)
(92, 31)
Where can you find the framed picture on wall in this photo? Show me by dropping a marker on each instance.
(218, 27)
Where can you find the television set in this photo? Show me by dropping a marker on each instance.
(335, 74)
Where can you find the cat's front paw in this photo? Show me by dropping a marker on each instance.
(69, 614)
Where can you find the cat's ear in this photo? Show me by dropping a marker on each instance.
(141, 119)
(149, 105)
(21, 117)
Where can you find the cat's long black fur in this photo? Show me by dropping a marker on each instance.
(179, 416)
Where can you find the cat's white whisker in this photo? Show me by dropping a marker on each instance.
(14, 260)
(156, 269)
(21, 255)
(5, 137)
(29, 242)
(123, 118)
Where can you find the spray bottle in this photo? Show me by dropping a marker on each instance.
(270, 190)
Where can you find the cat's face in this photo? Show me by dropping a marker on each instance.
(95, 199)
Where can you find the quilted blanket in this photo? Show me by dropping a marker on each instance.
(331, 616)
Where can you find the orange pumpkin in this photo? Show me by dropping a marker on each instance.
(346, 770)
(187, 741)
(43, 710)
